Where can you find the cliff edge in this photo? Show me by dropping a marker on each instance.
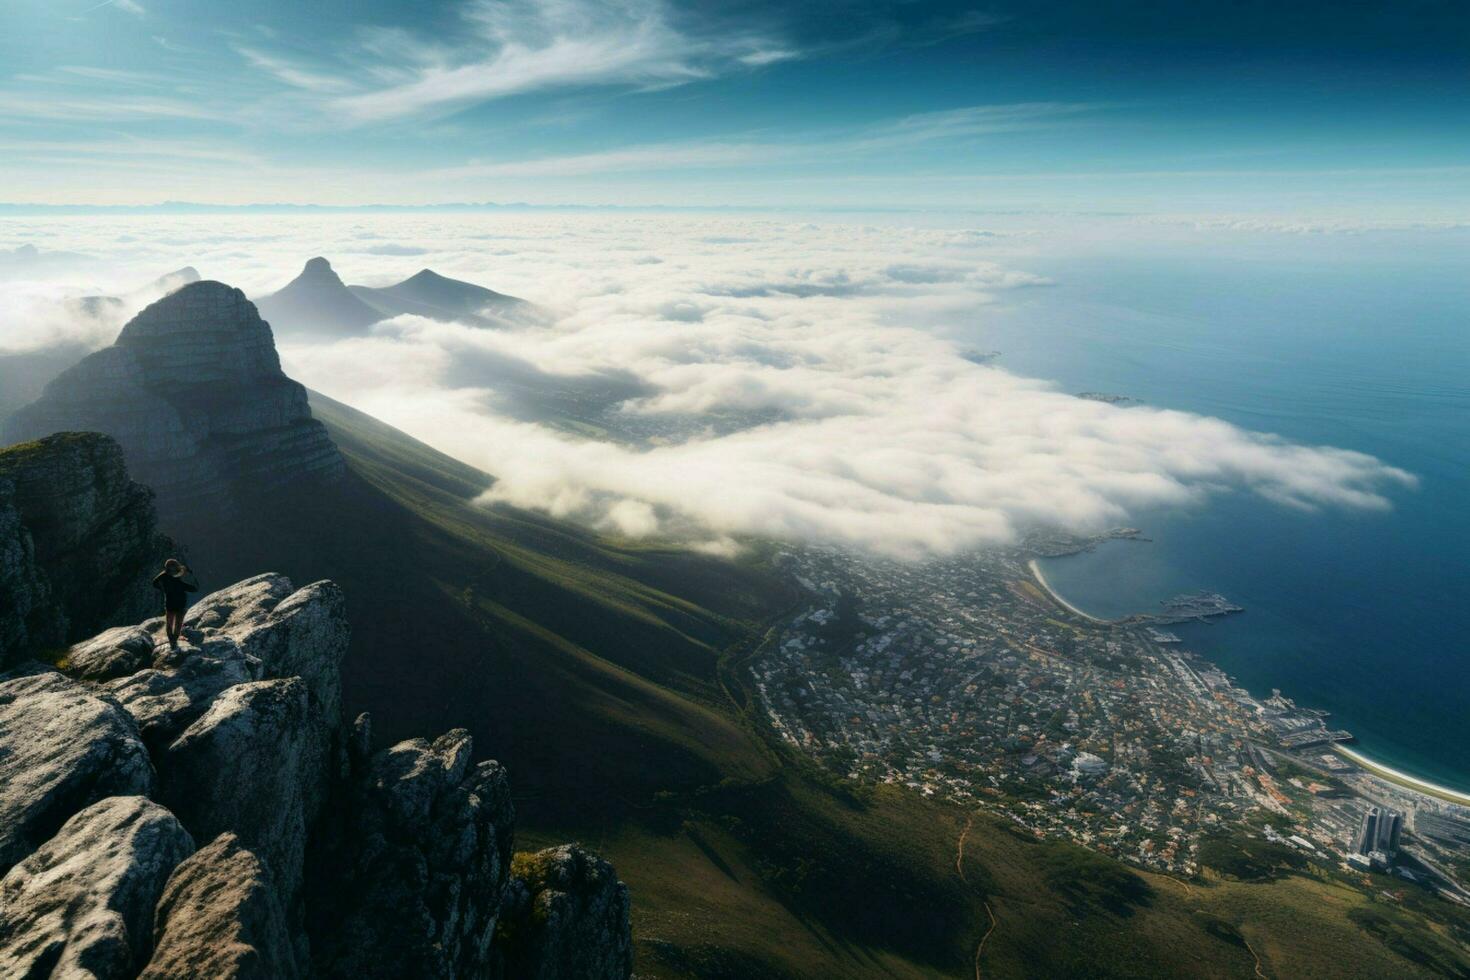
(209, 812)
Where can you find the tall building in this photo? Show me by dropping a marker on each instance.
(1379, 832)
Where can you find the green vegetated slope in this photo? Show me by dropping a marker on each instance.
(605, 676)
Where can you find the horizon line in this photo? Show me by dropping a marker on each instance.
(13, 207)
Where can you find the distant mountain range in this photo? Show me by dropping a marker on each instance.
(318, 303)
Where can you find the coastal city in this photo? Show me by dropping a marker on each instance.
(967, 679)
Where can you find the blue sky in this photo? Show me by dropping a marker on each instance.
(1335, 109)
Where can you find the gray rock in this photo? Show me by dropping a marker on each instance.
(565, 917)
(253, 630)
(425, 856)
(165, 700)
(194, 393)
(77, 542)
(61, 749)
(28, 610)
(82, 905)
(117, 652)
(293, 632)
(247, 766)
(220, 917)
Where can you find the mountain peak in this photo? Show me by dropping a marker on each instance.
(318, 302)
(206, 308)
(177, 278)
(319, 267)
(427, 293)
(194, 393)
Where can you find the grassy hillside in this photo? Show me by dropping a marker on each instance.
(605, 676)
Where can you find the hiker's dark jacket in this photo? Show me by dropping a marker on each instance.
(175, 591)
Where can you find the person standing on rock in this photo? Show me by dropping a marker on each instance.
(173, 583)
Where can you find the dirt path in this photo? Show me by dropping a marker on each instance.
(959, 857)
(1188, 890)
(981, 948)
(959, 867)
(1257, 958)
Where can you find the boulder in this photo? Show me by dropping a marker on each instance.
(424, 858)
(82, 905)
(220, 917)
(61, 748)
(565, 917)
(247, 766)
(117, 652)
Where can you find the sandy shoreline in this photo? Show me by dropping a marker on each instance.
(1403, 778)
(1057, 598)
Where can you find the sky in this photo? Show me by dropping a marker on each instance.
(1247, 107)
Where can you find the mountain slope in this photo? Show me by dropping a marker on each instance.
(428, 294)
(629, 728)
(317, 303)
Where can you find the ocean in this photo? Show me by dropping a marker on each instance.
(1354, 341)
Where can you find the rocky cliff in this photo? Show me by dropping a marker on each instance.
(77, 542)
(194, 393)
(207, 812)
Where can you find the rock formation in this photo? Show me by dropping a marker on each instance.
(424, 856)
(220, 917)
(316, 857)
(565, 914)
(194, 393)
(82, 904)
(64, 748)
(77, 540)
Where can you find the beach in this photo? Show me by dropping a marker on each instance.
(1057, 597)
(1402, 778)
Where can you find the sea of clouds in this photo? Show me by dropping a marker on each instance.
(860, 421)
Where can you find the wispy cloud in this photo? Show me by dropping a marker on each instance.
(129, 6)
(101, 108)
(905, 131)
(532, 45)
(291, 74)
(114, 76)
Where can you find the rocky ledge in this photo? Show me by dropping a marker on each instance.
(206, 812)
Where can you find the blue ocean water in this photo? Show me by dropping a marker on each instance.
(1360, 343)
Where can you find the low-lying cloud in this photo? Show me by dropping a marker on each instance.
(717, 379)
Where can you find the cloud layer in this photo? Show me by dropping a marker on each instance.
(713, 379)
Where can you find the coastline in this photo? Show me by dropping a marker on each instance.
(1402, 778)
(1367, 763)
(1057, 597)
